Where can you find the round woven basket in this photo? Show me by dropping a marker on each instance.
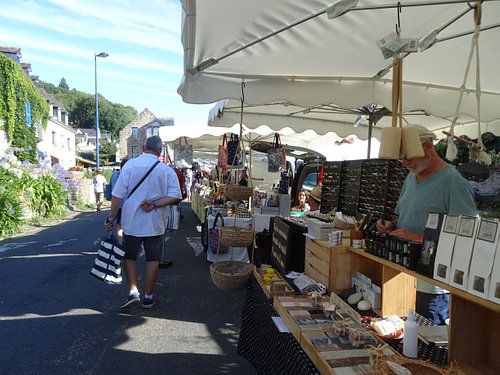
(231, 274)
(236, 236)
(237, 192)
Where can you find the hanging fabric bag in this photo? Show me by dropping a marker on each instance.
(214, 237)
(232, 150)
(276, 160)
(183, 151)
(222, 158)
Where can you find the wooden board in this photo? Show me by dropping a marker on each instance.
(288, 305)
(267, 288)
(329, 351)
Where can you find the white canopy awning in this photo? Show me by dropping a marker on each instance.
(323, 60)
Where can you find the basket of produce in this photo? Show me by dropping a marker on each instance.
(237, 193)
(236, 236)
(231, 274)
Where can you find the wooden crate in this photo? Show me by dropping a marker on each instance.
(319, 353)
(267, 288)
(329, 265)
(287, 305)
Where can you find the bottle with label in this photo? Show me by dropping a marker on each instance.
(410, 338)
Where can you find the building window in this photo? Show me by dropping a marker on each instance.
(135, 151)
(54, 111)
(28, 114)
(149, 132)
(156, 131)
(69, 143)
(135, 133)
(53, 138)
(63, 117)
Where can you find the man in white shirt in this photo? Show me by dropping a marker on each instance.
(143, 217)
(99, 182)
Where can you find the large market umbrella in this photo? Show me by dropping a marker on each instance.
(324, 118)
(290, 51)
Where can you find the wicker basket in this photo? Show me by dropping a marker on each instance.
(231, 274)
(236, 236)
(237, 192)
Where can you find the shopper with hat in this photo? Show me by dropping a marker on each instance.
(431, 186)
(314, 199)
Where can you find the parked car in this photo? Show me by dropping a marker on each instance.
(303, 166)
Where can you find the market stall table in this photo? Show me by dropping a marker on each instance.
(268, 350)
(237, 253)
(199, 203)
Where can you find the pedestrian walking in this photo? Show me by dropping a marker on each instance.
(154, 185)
(99, 182)
(112, 182)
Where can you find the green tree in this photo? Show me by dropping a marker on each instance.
(82, 115)
(63, 85)
(113, 117)
(106, 151)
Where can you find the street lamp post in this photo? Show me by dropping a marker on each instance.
(103, 55)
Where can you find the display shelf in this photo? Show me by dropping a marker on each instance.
(474, 321)
(288, 245)
(454, 291)
(329, 265)
(362, 186)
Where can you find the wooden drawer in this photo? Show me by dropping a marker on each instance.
(329, 265)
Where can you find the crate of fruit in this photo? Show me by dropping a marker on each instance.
(272, 283)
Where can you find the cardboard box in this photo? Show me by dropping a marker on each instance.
(483, 257)
(317, 229)
(373, 295)
(494, 288)
(444, 252)
(425, 264)
(462, 254)
(360, 282)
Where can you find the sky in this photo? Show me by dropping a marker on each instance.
(142, 37)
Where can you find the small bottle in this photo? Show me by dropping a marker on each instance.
(410, 338)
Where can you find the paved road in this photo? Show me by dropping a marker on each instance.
(56, 319)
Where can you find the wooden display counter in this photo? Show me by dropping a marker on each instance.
(474, 322)
(329, 265)
(279, 287)
(300, 315)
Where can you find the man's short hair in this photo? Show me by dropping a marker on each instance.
(153, 143)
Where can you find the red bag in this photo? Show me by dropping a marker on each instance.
(222, 159)
(182, 182)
